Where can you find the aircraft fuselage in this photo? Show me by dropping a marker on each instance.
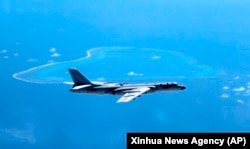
(128, 91)
(119, 88)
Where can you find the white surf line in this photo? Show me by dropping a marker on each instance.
(54, 63)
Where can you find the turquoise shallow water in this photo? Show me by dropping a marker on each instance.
(122, 64)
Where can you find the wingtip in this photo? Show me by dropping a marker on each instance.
(119, 101)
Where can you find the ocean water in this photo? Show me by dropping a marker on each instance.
(34, 33)
(122, 64)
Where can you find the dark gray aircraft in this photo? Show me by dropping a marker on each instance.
(128, 91)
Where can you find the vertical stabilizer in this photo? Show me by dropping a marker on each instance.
(78, 78)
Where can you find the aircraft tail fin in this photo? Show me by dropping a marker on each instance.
(78, 78)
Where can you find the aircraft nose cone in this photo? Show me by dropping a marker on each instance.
(183, 87)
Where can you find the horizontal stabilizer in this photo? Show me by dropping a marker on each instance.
(70, 83)
(81, 86)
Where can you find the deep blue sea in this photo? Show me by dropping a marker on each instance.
(38, 32)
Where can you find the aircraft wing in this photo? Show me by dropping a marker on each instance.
(132, 94)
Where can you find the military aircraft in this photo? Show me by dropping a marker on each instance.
(128, 91)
